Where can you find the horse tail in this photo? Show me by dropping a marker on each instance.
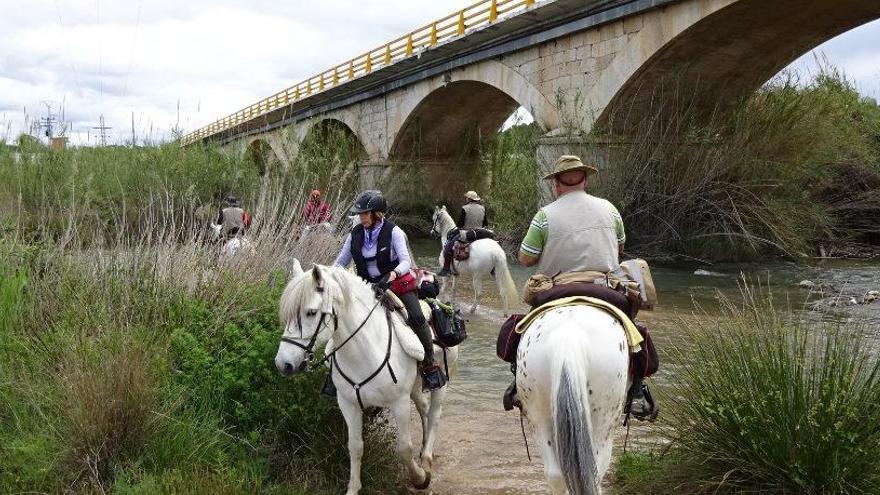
(506, 287)
(574, 443)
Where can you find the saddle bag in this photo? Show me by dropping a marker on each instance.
(461, 251)
(404, 284)
(429, 288)
(508, 339)
(448, 323)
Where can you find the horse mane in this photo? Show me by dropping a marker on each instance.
(300, 288)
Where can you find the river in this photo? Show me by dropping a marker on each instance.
(480, 448)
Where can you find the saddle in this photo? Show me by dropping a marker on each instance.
(574, 294)
(461, 249)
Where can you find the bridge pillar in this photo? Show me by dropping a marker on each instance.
(371, 174)
(557, 143)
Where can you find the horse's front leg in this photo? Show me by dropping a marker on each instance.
(354, 420)
(419, 478)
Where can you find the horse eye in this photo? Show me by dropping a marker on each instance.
(311, 312)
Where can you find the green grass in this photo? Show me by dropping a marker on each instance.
(760, 402)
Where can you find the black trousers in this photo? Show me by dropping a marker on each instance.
(419, 325)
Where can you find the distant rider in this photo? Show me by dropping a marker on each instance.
(233, 220)
(380, 254)
(316, 211)
(576, 233)
(472, 216)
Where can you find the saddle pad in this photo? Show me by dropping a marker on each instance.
(632, 333)
(405, 335)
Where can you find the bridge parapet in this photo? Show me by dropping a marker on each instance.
(453, 26)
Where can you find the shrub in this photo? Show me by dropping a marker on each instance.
(763, 403)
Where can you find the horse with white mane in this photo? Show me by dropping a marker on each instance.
(572, 377)
(374, 357)
(486, 258)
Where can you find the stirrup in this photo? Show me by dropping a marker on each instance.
(432, 378)
(653, 409)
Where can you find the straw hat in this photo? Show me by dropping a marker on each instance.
(567, 163)
(472, 195)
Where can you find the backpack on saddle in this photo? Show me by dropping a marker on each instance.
(461, 249)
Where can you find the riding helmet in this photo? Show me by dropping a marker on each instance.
(369, 201)
(232, 201)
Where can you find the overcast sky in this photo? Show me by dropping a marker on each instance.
(185, 63)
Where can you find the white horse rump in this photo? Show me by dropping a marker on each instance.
(572, 378)
(487, 257)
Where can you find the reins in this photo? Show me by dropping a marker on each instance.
(331, 356)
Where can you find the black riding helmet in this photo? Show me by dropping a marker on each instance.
(369, 201)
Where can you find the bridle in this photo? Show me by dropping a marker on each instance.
(309, 347)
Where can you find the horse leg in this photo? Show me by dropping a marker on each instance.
(354, 420)
(478, 288)
(419, 478)
(420, 399)
(552, 471)
(434, 414)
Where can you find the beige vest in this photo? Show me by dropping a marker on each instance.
(581, 236)
(232, 218)
(474, 213)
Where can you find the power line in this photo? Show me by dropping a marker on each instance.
(137, 24)
(103, 130)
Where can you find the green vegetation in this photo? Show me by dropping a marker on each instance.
(762, 403)
(792, 168)
(130, 360)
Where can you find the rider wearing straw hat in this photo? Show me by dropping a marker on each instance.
(576, 233)
(472, 216)
(381, 256)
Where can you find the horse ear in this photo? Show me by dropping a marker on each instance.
(443, 208)
(296, 269)
(317, 274)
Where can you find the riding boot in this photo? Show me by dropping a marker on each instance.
(432, 375)
(642, 405)
(328, 389)
(511, 399)
(447, 264)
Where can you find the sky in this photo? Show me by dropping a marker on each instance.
(152, 66)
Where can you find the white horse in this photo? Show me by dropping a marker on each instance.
(374, 363)
(486, 258)
(233, 246)
(572, 378)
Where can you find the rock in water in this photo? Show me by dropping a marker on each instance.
(806, 284)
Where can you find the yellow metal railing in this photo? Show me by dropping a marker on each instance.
(452, 26)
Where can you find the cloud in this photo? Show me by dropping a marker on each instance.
(184, 64)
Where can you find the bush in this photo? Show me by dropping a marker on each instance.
(111, 376)
(761, 403)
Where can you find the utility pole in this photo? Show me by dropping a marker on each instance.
(48, 121)
(103, 130)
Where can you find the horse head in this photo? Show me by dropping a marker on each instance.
(437, 220)
(307, 315)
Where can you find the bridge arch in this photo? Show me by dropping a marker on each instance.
(445, 119)
(265, 154)
(716, 53)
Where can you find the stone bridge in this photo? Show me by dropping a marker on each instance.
(432, 95)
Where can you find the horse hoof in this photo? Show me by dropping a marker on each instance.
(426, 483)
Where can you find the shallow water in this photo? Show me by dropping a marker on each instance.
(480, 449)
